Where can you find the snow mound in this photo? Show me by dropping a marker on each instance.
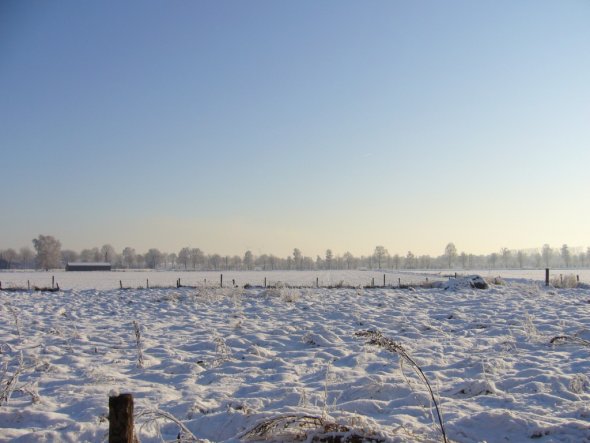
(467, 282)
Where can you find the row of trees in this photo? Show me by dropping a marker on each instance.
(48, 254)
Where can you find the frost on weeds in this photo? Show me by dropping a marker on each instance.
(308, 428)
(377, 339)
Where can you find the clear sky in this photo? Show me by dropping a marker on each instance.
(269, 125)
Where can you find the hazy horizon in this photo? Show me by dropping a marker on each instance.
(267, 126)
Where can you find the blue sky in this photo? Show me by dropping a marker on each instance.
(271, 125)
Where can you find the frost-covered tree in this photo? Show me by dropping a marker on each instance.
(410, 260)
(108, 253)
(26, 256)
(153, 258)
(297, 256)
(565, 255)
(248, 260)
(505, 252)
(450, 254)
(380, 254)
(348, 258)
(184, 256)
(198, 258)
(329, 258)
(10, 256)
(69, 256)
(215, 261)
(172, 258)
(129, 257)
(48, 252)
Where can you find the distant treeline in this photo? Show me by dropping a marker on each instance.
(48, 254)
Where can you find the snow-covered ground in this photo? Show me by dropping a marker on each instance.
(220, 361)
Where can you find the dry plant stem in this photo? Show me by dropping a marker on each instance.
(376, 338)
(15, 315)
(563, 338)
(138, 344)
(154, 414)
(8, 386)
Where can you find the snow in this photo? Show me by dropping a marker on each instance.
(219, 361)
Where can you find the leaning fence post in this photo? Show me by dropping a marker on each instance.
(546, 276)
(121, 419)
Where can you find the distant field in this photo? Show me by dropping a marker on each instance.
(134, 279)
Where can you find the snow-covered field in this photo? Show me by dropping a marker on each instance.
(220, 361)
(135, 279)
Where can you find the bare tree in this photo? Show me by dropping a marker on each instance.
(48, 252)
(184, 256)
(26, 256)
(348, 258)
(198, 258)
(153, 258)
(566, 256)
(248, 260)
(329, 258)
(380, 254)
(450, 253)
(297, 257)
(410, 260)
(129, 257)
(10, 256)
(69, 256)
(108, 254)
(215, 261)
(505, 256)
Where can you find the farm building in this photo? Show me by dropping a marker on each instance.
(88, 266)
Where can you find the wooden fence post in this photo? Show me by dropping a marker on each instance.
(52, 281)
(121, 284)
(265, 282)
(383, 280)
(221, 280)
(121, 419)
(546, 276)
(317, 282)
(147, 283)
